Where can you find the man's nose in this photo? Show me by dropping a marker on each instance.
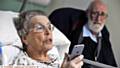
(97, 18)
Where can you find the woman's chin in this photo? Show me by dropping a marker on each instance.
(49, 46)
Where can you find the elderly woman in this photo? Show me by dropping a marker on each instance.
(35, 31)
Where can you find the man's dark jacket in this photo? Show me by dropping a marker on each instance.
(71, 21)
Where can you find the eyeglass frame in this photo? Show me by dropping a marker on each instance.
(39, 26)
(97, 13)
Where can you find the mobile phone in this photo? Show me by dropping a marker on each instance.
(77, 50)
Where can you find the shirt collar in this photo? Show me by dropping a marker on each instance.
(87, 33)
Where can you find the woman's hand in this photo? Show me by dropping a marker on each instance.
(74, 63)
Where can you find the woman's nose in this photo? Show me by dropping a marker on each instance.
(47, 31)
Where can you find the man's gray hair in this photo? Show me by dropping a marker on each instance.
(93, 4)
(23, 22)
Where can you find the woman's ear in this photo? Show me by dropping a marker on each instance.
(24, 40)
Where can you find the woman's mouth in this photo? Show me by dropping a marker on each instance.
(49, 41)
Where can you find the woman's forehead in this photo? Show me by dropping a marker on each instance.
(40, 19)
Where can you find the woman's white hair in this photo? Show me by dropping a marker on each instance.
(23, 22)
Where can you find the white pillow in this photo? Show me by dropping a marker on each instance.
(9, 36)
(8, 33)
(61, 42)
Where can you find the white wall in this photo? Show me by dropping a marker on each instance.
(112, 22)
(82, 4)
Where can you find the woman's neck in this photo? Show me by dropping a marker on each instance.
(39, 56)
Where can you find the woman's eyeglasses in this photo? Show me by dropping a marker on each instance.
(41, 28)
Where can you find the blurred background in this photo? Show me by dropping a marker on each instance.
(49, 5)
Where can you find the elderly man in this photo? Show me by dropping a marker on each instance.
(94, 35)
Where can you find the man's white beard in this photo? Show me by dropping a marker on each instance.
(95, 27)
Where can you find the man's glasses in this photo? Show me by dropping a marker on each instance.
(96, 14)
(41, 28)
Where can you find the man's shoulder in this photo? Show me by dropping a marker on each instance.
(105, 32)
